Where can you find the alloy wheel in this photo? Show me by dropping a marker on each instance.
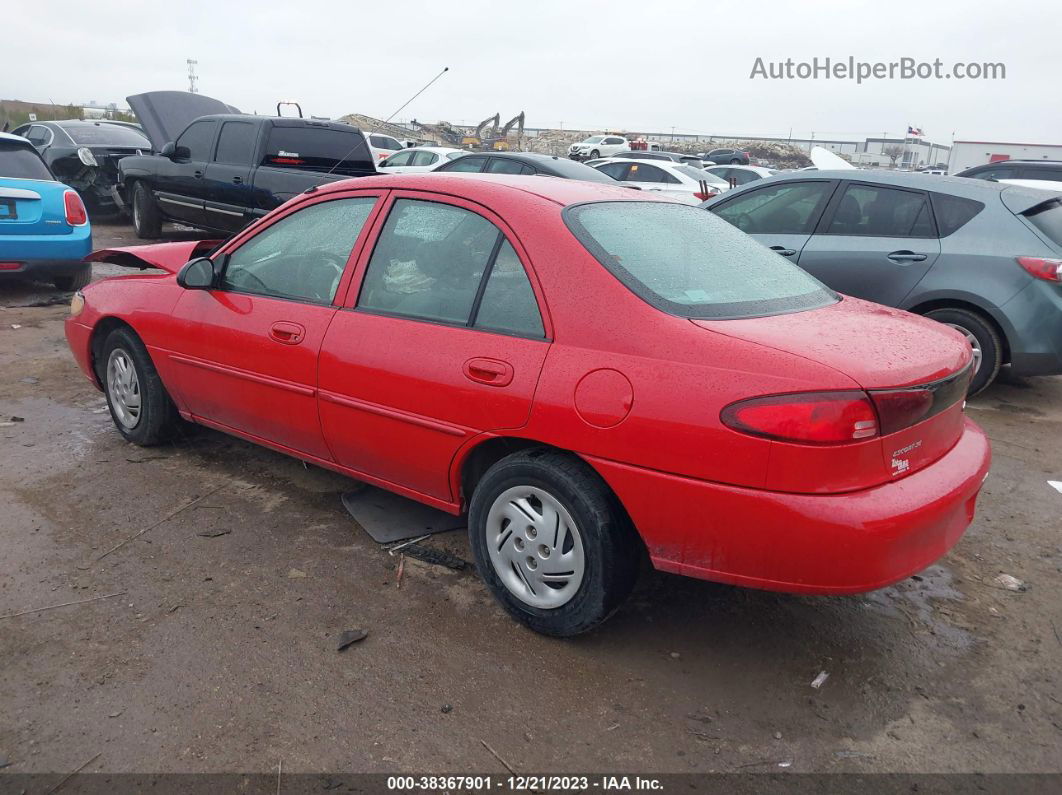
(975, 345)
(535, 547)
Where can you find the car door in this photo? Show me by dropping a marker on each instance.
(444, 340)
(781, 216)
(875, 242)
(229, 195)
(246, 352)
(179, 185)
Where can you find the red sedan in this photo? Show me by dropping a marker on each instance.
(592, 373)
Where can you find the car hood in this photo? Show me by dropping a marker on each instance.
(878, 347)
(165, 114)
(164, 256)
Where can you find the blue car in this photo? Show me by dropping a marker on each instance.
(44, 228)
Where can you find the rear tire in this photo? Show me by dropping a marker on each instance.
(570, 523)
(735, 161)
(147, 221)
(74, 281)
(139, 404)
(983, 338)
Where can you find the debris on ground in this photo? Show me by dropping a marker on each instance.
(29, 379)
(4, 763)
(446, 709)
(1009, 583)
(221, 531)
(1055, 484)
(820, 680)
(296, 574)
(18, 419)
(64, 604)
(401, 568)
(349, 637)
(498, 757)
(437, 557)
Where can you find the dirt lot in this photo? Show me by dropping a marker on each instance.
(219, 656)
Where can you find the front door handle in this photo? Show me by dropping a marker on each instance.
(287, 333)
(198, 174)
(906, 256)
(491, 372)
(237, 180)
(785, 252)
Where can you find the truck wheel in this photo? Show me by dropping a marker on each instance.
(140, 406)
(75, 281)
(983, 339)
(146, 219)
(552, 542)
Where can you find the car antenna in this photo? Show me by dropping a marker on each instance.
(348, 154)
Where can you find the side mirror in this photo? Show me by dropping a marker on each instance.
(168, 149)
(198, 274)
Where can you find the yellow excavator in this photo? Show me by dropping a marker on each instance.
(501, 142)
(475, 140)
(492, 138)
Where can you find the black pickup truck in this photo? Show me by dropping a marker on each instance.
(217, 169)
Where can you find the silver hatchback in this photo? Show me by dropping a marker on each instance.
(983, 257)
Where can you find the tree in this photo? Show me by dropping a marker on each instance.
(893, 152)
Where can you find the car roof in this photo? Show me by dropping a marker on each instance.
(960, 186)
(476, 186)
(14, 139)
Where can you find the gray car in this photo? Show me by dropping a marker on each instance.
(983, 257)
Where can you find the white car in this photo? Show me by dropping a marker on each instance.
(419, 158)
(677, 180)
(382, 146)
(740, 175)
(599, 146)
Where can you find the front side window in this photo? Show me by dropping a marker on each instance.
(197, 140)
(401, 159)
(643, 172)
(500, 165)
(876, 211)
(468, 164)
(430, 264)
(39, 135)
(301, 256)
(614, 170)
(791, 208)
(685, 261)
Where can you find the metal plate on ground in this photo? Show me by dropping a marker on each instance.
(387, 517)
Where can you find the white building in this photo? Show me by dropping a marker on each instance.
(967, 154)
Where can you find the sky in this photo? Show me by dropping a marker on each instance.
(580, 64)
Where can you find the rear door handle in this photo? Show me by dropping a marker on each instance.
(198, 174)
(785, 252)
(906, 256)
(237, 180)
(491, 372)
(287, 333)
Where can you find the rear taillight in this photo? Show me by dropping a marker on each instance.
(75, 209)
(806, 417)
(1050, 270)
(901, 408)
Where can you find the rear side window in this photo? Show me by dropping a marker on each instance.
(500, 165)
(236, 143)
(384, 142)
(401, 159)
(687, 262)
(508, 302)
(424, 158)
(614, 170)
(791, 208)
(953, 212)
(1047, 217)
(468, 163)
(875, 211)
(22, 162)
(311, 148)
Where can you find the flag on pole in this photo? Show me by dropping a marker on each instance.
(915, 132)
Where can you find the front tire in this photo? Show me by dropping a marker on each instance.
(147, 221)
(594, 155)
(74, 281)
(552, 542)
(139, 404)
(984, 341)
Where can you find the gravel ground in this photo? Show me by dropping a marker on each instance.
(219, 653)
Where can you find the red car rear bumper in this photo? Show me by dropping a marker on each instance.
(831, 544)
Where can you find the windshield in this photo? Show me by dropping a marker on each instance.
(687, 262)
(106, 135)
(22, 162)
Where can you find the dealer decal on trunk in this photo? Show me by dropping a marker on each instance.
(901, 465)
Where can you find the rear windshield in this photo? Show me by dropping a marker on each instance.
(21, 161)
(89, 134)
(318, 149)
(688, 262)
(1047, 217)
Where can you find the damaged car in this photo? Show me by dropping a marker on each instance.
(217, 169)
(594, 375)
(85, 155)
